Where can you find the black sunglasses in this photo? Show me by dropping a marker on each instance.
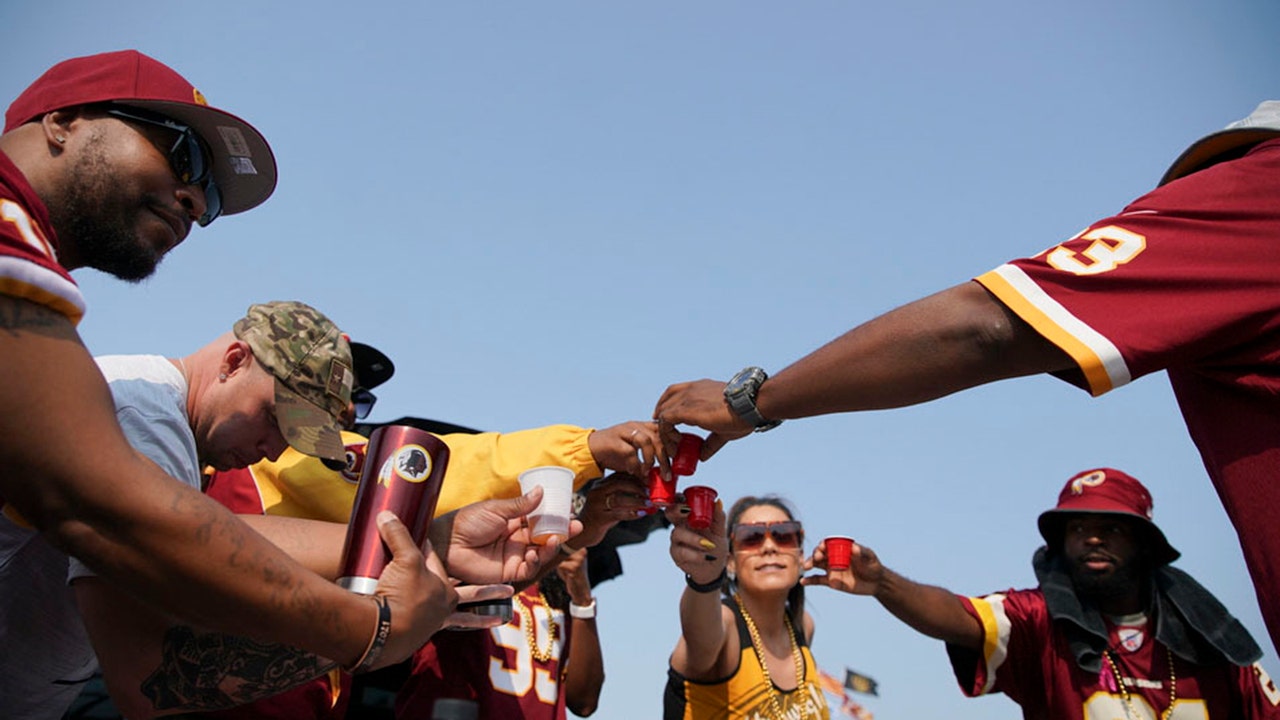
(786, 534)
(363, 401)
(188, 156)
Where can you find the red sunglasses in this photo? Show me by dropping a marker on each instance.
(786, 534)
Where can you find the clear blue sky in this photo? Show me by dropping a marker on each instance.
(548, 212)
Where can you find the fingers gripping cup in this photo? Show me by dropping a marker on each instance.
(839, 552)
(702, 505)
(662, 493)
(551, 517)
(403, 471)
(687, 453)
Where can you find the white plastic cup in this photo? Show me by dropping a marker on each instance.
(551, 517)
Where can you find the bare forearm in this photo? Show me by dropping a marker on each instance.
(930, 610)
(702, 630)
(955, 339)
(315, 544)
(585, 678)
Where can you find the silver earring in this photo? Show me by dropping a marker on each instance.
(222, 376)
(61, 139)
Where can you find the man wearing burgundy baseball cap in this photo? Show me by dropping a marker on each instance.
(106, 161)
(1111, 630)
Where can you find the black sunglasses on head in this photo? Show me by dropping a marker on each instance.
(786, 534)
(363, 401)
(188, 156)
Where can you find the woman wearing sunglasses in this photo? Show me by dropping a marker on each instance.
(744, 643)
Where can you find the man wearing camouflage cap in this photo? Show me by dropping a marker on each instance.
(282, 377)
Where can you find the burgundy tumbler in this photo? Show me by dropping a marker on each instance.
(403, 471)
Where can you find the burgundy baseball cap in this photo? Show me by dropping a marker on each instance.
(1230, 142)
(243, 166)
(1105, 491)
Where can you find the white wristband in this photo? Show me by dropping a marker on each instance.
(583, 612)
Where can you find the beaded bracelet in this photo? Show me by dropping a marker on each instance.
(706, 587)
(379, 640)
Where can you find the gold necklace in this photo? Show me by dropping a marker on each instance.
(775, 703)
(530, 631)
(1129, 710)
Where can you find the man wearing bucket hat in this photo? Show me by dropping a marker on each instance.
(105, 162)
(1186, 279)
(1112, 630)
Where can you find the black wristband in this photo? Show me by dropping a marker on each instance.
(381, 632)
(708, 587)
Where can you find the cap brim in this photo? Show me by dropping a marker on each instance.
(1051, 524)
(1215, 148)
(243, 165)
(307, 428)
(371, 366)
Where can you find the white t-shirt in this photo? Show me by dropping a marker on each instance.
(45, 654)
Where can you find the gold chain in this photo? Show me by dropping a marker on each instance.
(530, 630)
(756, 644)
(1130, 711)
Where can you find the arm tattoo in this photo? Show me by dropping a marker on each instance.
(18, 315)
(209, 671)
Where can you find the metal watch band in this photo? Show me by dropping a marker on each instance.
(740, 394)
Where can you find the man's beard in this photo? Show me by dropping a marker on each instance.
(1096, 587)
(96, 220)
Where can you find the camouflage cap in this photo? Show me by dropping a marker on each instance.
(311, 361)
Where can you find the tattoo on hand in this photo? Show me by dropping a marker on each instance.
(209, 671)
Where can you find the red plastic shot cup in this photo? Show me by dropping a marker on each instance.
(403, 471)
(662, 493)
(687, 454)
(839, 550)
(702, 505)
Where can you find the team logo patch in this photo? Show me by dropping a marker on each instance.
(1131, 638)
(355, 462)
(1093, 479)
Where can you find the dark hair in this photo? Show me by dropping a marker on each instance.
(795, 596)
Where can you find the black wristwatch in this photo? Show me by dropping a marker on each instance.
(740, 393)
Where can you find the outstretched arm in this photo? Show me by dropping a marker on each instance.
(956, 339)
(706, 639)
(930, 610)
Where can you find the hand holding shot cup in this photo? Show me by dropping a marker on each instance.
(550, 520)
(702, 503)
(688, 451)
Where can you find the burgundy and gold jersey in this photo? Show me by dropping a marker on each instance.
(1185, 279)
(510, 671)
(1025, 658)
(29, 267)
(745, 695)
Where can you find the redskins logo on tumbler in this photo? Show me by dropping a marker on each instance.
(412, 463)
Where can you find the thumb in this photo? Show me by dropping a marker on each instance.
(516, 507)
(395, 534)
(434, 564)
